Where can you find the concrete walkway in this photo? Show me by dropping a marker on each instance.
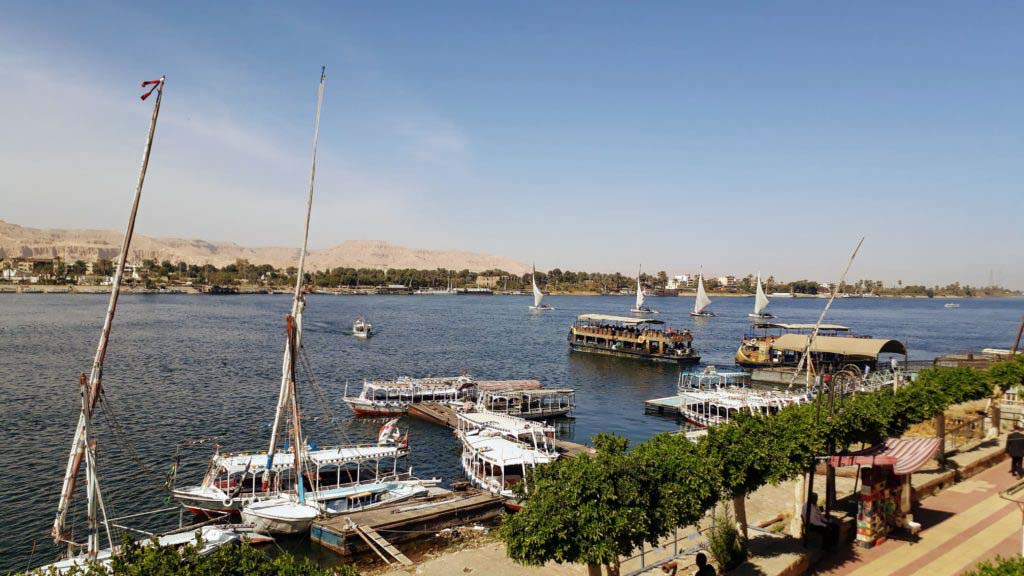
(963, 525)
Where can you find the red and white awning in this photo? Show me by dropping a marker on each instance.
(905, 455)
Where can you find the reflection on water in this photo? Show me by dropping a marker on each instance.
(191, 367)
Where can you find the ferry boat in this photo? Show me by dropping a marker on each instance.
(361, 328)
(626, 337)
(393, 397)
(783, 345)
(759, 350)
(710, 397)
(532, 404)
(498, 449)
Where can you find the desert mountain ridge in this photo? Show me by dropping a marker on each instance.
(90, 245)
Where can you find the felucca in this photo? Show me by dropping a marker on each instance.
(639, 307)
(702, 301)
(538, 296)
(760, 302)
(83, 447)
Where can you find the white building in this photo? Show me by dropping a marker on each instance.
(681, 281)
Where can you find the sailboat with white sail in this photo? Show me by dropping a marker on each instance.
(83, 447)
(760, 302)
(702, 301)
(538, 296)
(639, 307)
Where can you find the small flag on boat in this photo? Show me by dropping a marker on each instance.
(154, 83)
(388, 432)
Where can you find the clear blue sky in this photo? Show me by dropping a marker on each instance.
(734, 136)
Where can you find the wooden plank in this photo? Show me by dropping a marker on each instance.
(371, 545)
(380, 541)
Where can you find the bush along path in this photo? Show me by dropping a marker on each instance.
(595, 509)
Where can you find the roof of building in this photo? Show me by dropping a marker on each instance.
(620, 319)
(842, 345)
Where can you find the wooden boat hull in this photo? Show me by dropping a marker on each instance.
(638, 355)
(379, 410)
(703, 314)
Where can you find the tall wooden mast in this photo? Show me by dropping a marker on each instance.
(286, 395)
(92, 387)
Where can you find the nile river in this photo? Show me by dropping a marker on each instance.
(191, 367)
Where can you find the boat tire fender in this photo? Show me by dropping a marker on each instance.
(228, 502)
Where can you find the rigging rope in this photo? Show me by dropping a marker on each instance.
(325, 406)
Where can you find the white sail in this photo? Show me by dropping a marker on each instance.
(537, 294)
(702, 300)
(760, 300)
(639, 293)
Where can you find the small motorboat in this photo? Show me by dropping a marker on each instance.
(952, 305)
(361, 328)
(280, 515)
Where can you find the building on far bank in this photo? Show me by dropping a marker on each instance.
(727, 281)
(488, 281)
(681, 281)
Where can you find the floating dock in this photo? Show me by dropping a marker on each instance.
(668, 406)
(444, 415)
(380, 528)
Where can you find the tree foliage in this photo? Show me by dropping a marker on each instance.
(150, 559)
(1013, 566)
(593, 509)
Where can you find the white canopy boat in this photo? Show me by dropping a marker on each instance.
(393, 397)
(497, 449)
(83, 448)
(639, 307)
(281, 514)
(702, 301)
(760, 302)
(538, 296)
(361, 328)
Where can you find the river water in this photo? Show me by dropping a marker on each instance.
(191, 367)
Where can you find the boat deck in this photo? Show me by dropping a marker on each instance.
(406, 520)
(443, 415)
(668, 405)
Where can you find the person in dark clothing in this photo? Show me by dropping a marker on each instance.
(1015, 448)
(703, 568)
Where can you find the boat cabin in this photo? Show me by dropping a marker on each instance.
(641, 338)
(782, 345)
(498, 449)
(707, 407)
(393, 397)
(710, 378)
(544, 403)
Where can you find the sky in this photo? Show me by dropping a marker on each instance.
(731, 137)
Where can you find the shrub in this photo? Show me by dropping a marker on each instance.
(150, 559)
(999, 567)
(725, 542)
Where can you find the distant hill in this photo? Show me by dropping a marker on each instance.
(89, 245)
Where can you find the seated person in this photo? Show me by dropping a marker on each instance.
(818, 522)
(703, 568)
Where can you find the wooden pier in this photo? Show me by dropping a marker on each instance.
(444, 415)
(381, 528)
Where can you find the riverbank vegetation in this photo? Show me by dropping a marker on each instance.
(149, 559)
(242, 274)
(596, 509)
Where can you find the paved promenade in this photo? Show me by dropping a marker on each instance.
(963, 525)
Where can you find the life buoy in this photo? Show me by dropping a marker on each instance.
(228, 502)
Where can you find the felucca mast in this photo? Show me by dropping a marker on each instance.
(91, 388)
(287, 394)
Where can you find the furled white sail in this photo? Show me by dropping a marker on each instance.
(702, 300)
(537, 294)
(760, 300)
(639, 294)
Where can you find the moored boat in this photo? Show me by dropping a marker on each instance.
(709, 396)
(393, 397)
(625, 337)
(498, 449)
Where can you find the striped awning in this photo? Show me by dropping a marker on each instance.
(905, 455)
